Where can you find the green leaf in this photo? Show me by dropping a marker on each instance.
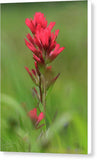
(41, 107)
(49, 90)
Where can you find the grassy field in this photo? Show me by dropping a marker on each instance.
(68, 97)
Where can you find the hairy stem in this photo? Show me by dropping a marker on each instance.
(40, 88)
(44, 96)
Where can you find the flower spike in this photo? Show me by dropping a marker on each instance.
(45, 49)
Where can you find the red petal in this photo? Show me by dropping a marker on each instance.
(55, 78)
(34, 72)
(56, 33)
(27, 69)
(30, 45)
(60, 50)
(56, 52)
(40, 117)
(33, 114)
(51, 25)
(36, 58)
(45, 24)
(37, 70)
(40, 19)
(30, 38)
(32, 48)
(53, 53)
(37, 41)
(30, 25)
(56, 47)
(35, 91)
(38, 28)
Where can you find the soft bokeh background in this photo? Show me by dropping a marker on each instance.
(69, 94)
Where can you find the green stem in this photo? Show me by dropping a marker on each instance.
(44, 97)
(40, 88)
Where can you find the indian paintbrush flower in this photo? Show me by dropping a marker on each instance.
(34, 118)
(43, 42)
(44, 49)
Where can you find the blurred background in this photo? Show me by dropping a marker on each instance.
(68, 95)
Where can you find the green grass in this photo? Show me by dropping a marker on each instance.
(68, 97)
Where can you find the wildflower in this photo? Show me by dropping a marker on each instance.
(43, 42)
(36, 119)
(39, 22)
(44, 49)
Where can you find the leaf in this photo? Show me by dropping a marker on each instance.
(49, 91)
(35, 96)
(51, 84)
(41, 107)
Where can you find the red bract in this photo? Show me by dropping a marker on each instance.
(44, 46)
(57, 50)
(39, 22)
(34, 73)
(35, 119)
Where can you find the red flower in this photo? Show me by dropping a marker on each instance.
(36, 119)
(44, 46)
(39, 22)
